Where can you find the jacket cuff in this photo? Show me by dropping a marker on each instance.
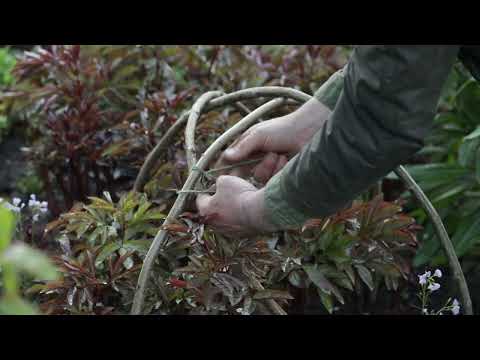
(277, 210)
(329, 93)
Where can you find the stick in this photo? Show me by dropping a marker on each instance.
(195, 114)
(233, 166)
(179, 204)
(246, 94)
(442, 234)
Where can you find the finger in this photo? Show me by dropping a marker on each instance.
(248, 145)
(242, 171)
(282, 161)
(203, 204)
(264, 171)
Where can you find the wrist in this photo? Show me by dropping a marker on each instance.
(254, 210)
(309, 119)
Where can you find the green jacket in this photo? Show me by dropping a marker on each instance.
(383, 104)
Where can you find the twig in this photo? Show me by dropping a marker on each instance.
(179, 204)
(442, 234)
(195, 114)
(233, 98)
(233, 166)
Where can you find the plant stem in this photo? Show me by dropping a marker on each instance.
(233, 98)
(442, 234)
(179, 204)
(233, 166)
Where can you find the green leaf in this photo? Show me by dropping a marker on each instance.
(29, 260)
(430, 245)
(317, 277)
(141, 246)
(451, 190)
(7, 226)
(467, 152)
(365, 275)
(473, 135)
(106, 251)
(142, 209)
(327, 301)
(272, 294)
(297, 279)
(477, 166)
(430, 176)
(16, 306)
(467, 236)
(100, 204)
(468, 101)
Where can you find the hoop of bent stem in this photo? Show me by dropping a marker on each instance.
(179, 204)
(213, 100)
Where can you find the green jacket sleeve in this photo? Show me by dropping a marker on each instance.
(383, 112)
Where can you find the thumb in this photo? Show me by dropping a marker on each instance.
(250, 144)
(203, 203)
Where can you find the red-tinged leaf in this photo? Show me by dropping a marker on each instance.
(176, 228)
(177, 283)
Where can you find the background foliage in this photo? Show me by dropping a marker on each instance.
(90, 114)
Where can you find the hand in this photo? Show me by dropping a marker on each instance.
(237, 208)
(276, 140)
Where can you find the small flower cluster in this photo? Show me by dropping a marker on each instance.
(36, 207)
(428, 285)
(427, 278)
(16, 206)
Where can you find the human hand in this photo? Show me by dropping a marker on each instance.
(237, 208)
(275, 140)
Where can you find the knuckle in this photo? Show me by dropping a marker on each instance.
(222, 180)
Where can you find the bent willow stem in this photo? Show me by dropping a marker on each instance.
(442, 234)
(216, 99)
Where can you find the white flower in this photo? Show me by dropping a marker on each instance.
(422, 279)
(32, 203)
(455, 307)
(16, 201)
(434, 287)
(43, 207)
(428, 274)
(437, 273)
(35, 217)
